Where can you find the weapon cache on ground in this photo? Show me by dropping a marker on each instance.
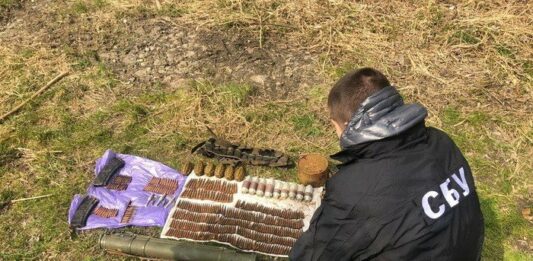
(221, 149)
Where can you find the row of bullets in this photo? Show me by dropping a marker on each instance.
(162, 185)
(160, 201)
(119, 182)
(227, 171)
(277, 189)
(105, 212)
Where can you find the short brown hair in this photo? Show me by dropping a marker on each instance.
(351, 90)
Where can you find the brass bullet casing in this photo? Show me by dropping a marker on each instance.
(219, 171)
(199, 168)
(240, 173)
(187, 168)
(209, 169)
(228, 173)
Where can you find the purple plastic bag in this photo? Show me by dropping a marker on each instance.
(141, 170)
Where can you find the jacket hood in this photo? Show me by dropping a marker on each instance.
(382, 115)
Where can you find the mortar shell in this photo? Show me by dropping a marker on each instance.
(308, 193)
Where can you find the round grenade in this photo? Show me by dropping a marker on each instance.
(199, 168)
(219, 171)
(187, 168)
(228, 173)
(209, 169)
(240, 173)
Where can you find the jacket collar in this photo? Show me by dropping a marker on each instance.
(382, 115)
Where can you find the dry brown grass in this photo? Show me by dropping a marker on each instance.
(470, 63)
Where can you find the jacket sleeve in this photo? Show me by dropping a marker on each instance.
(331, 226)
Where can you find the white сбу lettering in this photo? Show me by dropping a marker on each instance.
(451, 195)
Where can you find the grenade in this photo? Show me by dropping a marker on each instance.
(187, 168)
(209, 169)
(308, 193)
(277, 189)
(253, 185)
(269, 189)
(219, 171)
(240, 173)
(260, 191)
(245, 185)
(199, 168)
(292, 190)
(300, 192)
(228, 173)
(284, 190)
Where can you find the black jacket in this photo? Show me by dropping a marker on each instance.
(410, 196)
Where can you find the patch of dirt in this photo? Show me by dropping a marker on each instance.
(145, 50)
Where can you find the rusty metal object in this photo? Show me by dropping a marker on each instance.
(312, 169)
(209, 169)
(240, 173)
(221, 149)
(187, 168)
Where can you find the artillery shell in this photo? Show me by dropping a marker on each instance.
(277, 189)
(187, 168)
(269, 190)
(300, 192)
(240, 173)
(261, 187)
(292, 190)
(253, 185)
(209, 169)
(228, 173)
(308, 193)
(284, 190)
(219, 171)
(199, 168)
(245, 185)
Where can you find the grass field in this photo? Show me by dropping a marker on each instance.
(147, 77)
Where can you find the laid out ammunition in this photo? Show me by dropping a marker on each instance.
(260, 191)
(292, 190)
(150, 198)
(300, 192)
(199, 168)
(240, 173)
(170, 202)
(187, 168)
(269, 190)
(219, 171)
(308, 193)
(245, 185)
(253, 185)
(161, 200)
(284, 190)
(277, 189)
(209, 169)
(228, 173)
